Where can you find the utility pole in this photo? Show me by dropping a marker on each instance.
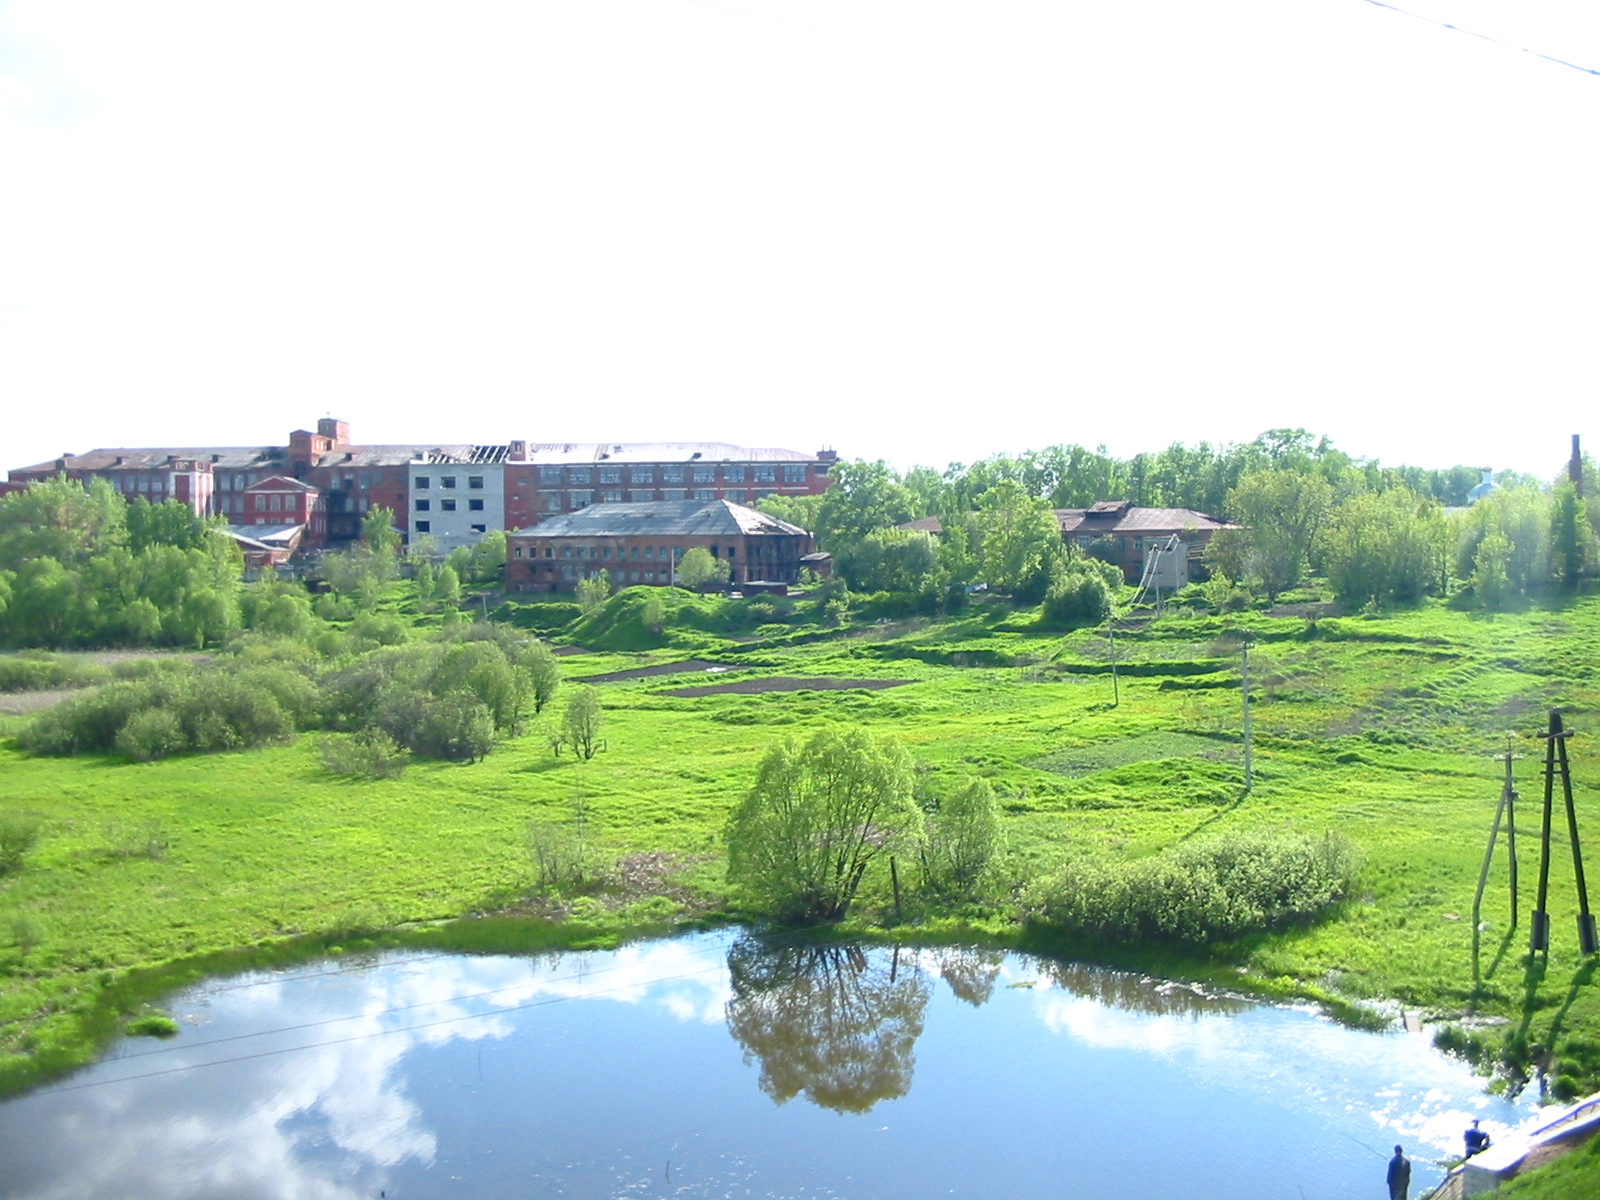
(1507, 811)
(1555, 762)
(1111, 632)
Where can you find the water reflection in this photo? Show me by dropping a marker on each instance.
(971, 973)
(1139, 993)
(831, 1022)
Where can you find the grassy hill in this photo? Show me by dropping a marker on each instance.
(1382, 729)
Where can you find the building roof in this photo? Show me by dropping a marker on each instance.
(157, 458)
(1119, 516)
(578, 453)
(280, 483)
(267, 537)
(666, 518)
(923, 525)
(461, 454)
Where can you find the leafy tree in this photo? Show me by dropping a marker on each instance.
(797, 510)
(382, 540)
(697, 569)
(447, 589)
(1282, 512)
(1017, 533)
(1384, 546)
(862, 498)
(424, 582)
(1491, 581)
(169, 523)
(1081, 592)
(486, 561)
(592, 593)
(963, 836)
(543, 673)
(818, 816)
(582, 723)
(1568, 537)
(61, 520)
(887, 560)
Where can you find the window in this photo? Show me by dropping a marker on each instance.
(633, 577)
(238, 483)
(550, 475)
(634, 552)
(673, 493)
(549, 551)
(705, 474)
(735, 494)
(763, 492)
(642, 475)
(639, 495)
(794, 473)
(672, 474)
(519, 551)
(566, 552)
(421, 481)
(766, 474)
(705, 494)
(447, 481)
(475, 505)
(611, 496)
(661, 553)
(578, 475)
(423, 527)
(424, 504)
(475, 481)
(275, 503)
(522, 481)
(649, 576)
(363, 505)
(577, 499)
(447, 506)
(730, 551)
(733, 474)
(610, 474)
(552, 502)
(482, 529)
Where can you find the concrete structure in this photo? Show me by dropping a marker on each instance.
(266, 545)
(644, 542)
(457, 495)
(1134, 533)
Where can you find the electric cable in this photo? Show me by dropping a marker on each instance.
(1484, 36)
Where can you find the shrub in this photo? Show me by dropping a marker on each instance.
(592, 593)
(1076, 596)
(152, 733)
(963, 835)
(1221, 888)
(456, 727)
(559, 852)
(34, 673)
(18, 835)
(156, 1025)
(367, 754)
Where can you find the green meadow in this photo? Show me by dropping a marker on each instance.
(1382, 728)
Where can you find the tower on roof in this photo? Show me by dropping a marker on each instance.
(1480, 490)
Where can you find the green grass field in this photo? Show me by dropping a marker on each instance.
(1383, 729)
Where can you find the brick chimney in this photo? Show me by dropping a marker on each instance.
(1575, 468)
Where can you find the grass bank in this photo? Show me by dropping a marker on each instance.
(1381, 729)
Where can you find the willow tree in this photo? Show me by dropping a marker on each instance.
(818, 816)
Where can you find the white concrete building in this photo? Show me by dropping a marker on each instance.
(457, 495)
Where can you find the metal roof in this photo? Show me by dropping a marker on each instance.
(280, 483)
(666, 518)
(1119, 517)
(155, 459)
(556, 453)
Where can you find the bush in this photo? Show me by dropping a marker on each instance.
(152, 733)
(963, 835)
(37, 673)
(559, 853)
(153, 1025)
(18, 835)
(456, 727)
(366, 754)
(1221, 888)
(1077, 595)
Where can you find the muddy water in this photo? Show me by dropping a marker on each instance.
(719, 1066)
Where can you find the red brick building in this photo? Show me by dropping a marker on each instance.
(645, 542)
(1136, 533)
(279, 500)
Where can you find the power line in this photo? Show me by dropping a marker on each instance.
(1484, 36)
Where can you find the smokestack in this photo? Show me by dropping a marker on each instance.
(1575, 468)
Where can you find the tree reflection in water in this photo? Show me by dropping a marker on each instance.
(1138, 993)
(838, 1023)
(970, 972)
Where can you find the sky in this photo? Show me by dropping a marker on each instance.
(919, 230)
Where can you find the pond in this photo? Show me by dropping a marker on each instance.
(719, 1065)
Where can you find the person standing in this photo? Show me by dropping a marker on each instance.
(1399, 1175)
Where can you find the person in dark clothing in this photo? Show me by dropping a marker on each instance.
(1477, 1140)
(1399, 1175)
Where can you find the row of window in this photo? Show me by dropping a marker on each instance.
(138, 483)
(705, 473)
(427, 527)
(553, 500)
(448, 505)
(474, 482)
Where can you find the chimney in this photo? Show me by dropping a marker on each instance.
(1575, 468)
(517, 451)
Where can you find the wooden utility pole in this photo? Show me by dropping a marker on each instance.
(1111, 632)
(1507, 812)
(1244, 682)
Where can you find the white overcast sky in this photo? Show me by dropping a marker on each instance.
(912, 229)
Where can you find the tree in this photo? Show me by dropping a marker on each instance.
(1384, 546)
(819, 815)
(887, 560)
(169, 522)
(382, 540)
(1521, 514)
(1282, 512)
(447, 589)
(697, 568)
(963, 836)
(1490, 580)
(863, 497)
(1080, 592)
(60, 519)
(582, 723)
(1568, 540)
(543, 672)
(797, 510)
(1016, 532)
(423, 583)
(592, 593)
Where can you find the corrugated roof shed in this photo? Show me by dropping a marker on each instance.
(666, 518)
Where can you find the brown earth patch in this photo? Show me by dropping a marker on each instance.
(784, 683)
(24, 704)
(677, 668)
